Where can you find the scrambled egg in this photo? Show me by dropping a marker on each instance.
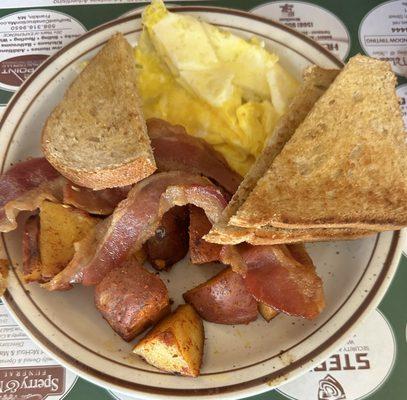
(220, 87)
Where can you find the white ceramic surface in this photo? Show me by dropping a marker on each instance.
(239, 360)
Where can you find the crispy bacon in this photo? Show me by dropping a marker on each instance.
(99, 202)
(31, 250)
(25, 176)
(201, 251)
(281, 280)
(28, 183)
(24, 186)
(175, 150)
(134, 221)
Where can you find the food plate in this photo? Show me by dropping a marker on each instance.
(239, 360)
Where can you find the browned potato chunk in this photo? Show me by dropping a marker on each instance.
(223, 299)
(176, 343)
(60, 227)
(267, 312)
(3, 275)
(131, 299)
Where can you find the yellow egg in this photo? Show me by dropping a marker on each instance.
(212, 82)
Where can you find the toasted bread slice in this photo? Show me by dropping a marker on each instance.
(97, 136)
(346, 164)
(316, 81)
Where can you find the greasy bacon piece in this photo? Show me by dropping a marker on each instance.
(133, 222)
(170, 241)
(297, 250)
(131, 299)
(99, 202)
(175, 150)
(25, 176)
(223, 299)
(200, 250)
(299, 253)
(276, 278)
(31, 250)
(24, 186)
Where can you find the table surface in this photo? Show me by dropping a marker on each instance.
(373, 363)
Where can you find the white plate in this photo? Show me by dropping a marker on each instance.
(239, 360)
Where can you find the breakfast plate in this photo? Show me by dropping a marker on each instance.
(239, 360)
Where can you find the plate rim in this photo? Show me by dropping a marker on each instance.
(254, 385)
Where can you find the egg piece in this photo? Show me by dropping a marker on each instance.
(256, 119)
(154, 13)
(282, 88)
(183, 45)
(164, 97)
(215, 84)
(248, 60)
(183, 41)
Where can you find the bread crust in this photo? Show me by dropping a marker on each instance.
(122, 175)
(270, 235)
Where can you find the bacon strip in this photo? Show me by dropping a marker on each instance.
(287, 282)
(133, 222)
(99, 202)
(31, 250)
(25, 176)
(175, 150)
(24, 186)
(201, 252)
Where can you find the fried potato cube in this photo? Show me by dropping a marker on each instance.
(223, 299)
(267, 312)
(131, 299)
(4, 268)
(60, 227)
(176, 343)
